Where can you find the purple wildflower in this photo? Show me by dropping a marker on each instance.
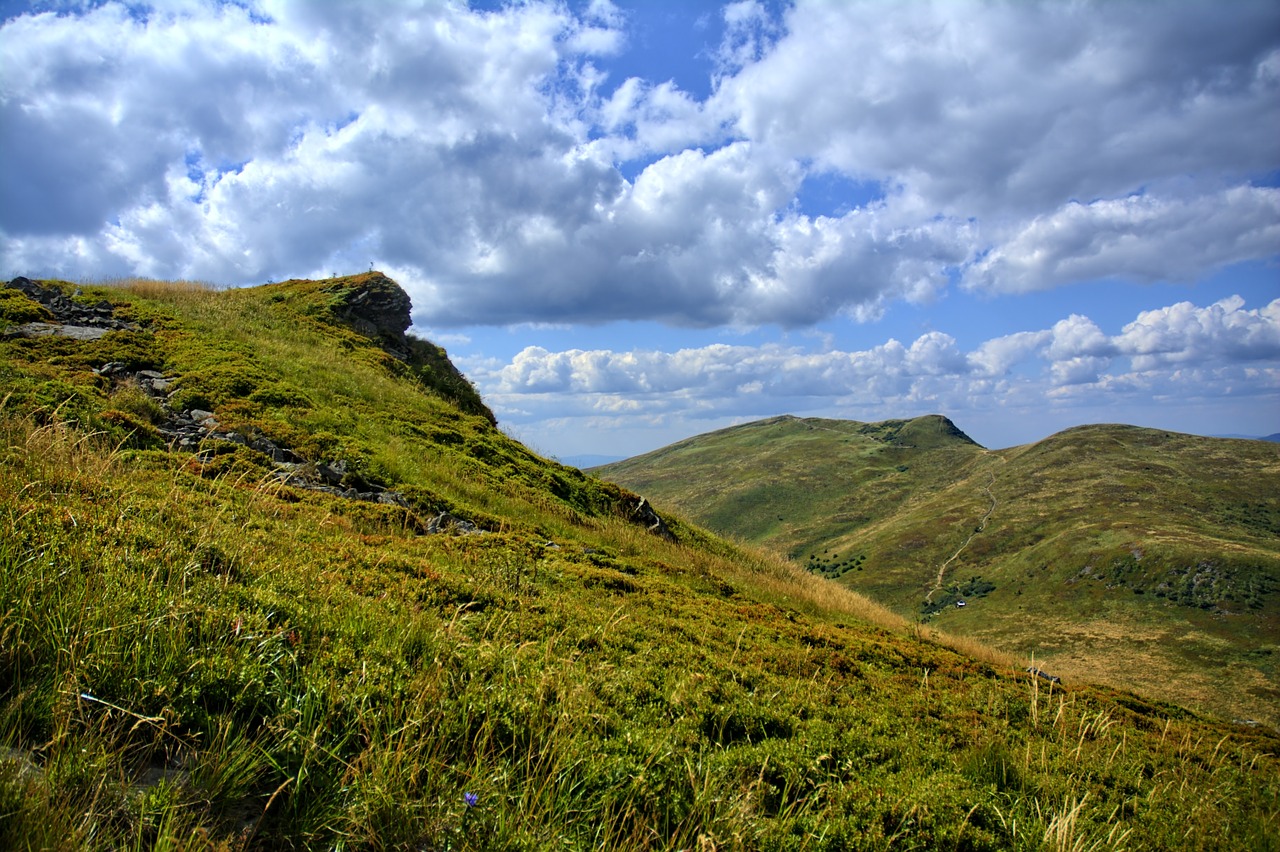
(472, 799)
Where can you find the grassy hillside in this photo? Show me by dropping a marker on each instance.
(351, 614)
(791, 483)
(1142, 558)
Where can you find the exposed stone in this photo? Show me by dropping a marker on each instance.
(71, 319)
(644, 515)
(269, 448)
(1043, 675)
(290, 471)
(378, 308)
(445, 522)
(332, 472)
(53, 329)
(22, 768)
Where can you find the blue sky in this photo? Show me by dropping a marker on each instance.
(631, 222)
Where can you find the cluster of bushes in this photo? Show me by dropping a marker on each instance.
(953, 593)
(1195, 583)
(831, 566)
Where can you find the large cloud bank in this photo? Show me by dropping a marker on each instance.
(485, 160)
(1181, 351)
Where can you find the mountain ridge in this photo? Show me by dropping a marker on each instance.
(1185, 526)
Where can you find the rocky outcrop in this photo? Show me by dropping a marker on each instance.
(152, 382)
(331, 477)
(372, 305)
(447, 522)
(376, 307)
(643, 514)
(70, 318)
(194, 429)
(1043, 675)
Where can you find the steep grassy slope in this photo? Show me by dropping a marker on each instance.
(354, 615)
(1139, 557)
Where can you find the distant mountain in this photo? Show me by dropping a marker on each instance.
(1138, 556)
(583, 462)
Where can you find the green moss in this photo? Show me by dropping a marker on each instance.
(17, 308)
(131, 399)
(280, 395)
(221, 459)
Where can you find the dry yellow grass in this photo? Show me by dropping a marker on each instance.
(782, 579)
(976, 648)
(150, 288)
(1146, 658)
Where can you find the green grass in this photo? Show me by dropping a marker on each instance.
(194, 656)
(1137, 557)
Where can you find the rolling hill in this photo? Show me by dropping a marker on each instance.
(1133, 556)
(272, 578)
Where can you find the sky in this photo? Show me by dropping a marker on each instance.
(632, 222)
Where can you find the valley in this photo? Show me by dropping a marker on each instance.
(1145, 559)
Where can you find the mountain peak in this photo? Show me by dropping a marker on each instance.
(932, 430)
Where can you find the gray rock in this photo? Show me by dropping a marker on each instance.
(52, 329)
(269, 448)
(445, 522)
(81, 332)
(644, 515)
(72, 319)
(332, 472)
(379, 309)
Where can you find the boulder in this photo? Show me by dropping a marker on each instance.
(445, 522)
(378, 308)
(642, 513)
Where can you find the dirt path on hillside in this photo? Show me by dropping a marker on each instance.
(982, 524)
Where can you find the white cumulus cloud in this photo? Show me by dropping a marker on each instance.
(1141, 237)
(1219, 351)
(491, 157)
